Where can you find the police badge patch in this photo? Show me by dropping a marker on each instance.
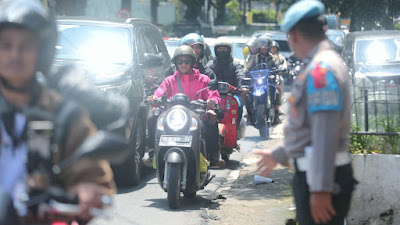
(323, 92)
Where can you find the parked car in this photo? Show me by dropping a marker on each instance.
(117, 57)
(279, 37)
(373, 56)
(337, 37)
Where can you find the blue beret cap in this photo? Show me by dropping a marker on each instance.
(301, 10)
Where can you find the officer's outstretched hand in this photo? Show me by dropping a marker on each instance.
(266, 164)
(322, 209)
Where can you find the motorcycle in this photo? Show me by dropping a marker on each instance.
(294, 69)
(228, 131)
(52, 204)
(264, 97)
(180, 146)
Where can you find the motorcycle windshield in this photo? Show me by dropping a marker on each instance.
(259, 74)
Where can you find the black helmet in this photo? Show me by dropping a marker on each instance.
(222, 41)
(31, 15)
(184, 50)
(275, 44)
(263, 40)
(191, 39)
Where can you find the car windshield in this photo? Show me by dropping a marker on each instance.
(171, 47)
(94, 44)
(238, 50)
(335, 36)
(378, 51)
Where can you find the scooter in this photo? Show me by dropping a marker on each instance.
(228, 127)
(180, 147)
(264, 98)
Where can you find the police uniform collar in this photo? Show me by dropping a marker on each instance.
(323, 45)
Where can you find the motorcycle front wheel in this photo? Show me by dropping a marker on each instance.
(261, 125)
(174, 185)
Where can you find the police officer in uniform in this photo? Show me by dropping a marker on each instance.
(316, 136)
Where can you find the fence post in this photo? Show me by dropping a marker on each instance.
(366, 109)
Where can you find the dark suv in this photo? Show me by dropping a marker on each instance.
(117, 57)
(372, 56)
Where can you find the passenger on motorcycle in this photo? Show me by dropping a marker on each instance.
(250, 50)
(27, 38)
(282, 64)
(227, 70)
(189, 80)
(198, 45)
(263, 59)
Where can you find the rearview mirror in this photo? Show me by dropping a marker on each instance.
(152, 60)
(213, 85)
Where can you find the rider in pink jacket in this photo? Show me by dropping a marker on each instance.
(191, 83)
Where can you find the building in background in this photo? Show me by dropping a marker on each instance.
(155, 11)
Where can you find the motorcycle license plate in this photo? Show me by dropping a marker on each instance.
(176, 140)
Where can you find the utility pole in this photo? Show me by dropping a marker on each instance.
(154, 6)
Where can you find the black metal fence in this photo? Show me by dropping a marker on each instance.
(375, 111)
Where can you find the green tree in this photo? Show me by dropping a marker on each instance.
(366, 13)
(220, 5)
(193, 9)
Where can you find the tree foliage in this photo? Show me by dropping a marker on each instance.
(366, 13)
(193, 9)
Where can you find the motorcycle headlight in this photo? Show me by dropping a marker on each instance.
(177, 119)
(297, 68)
(160, 124)
(194, 125)
(259, 81)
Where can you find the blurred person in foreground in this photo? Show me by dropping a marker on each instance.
(316, 136)
(27, 38)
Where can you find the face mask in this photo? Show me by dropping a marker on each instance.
(223, 55)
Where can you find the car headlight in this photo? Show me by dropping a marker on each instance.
(121, 89)
(176, 119)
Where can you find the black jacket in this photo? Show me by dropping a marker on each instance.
(231, 72)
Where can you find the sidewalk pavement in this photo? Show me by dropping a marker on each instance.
(240, 201)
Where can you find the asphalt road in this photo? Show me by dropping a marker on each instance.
(147, 202)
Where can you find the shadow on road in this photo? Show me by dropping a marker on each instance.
(148, 174)
(253, 138)
(187, 204)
